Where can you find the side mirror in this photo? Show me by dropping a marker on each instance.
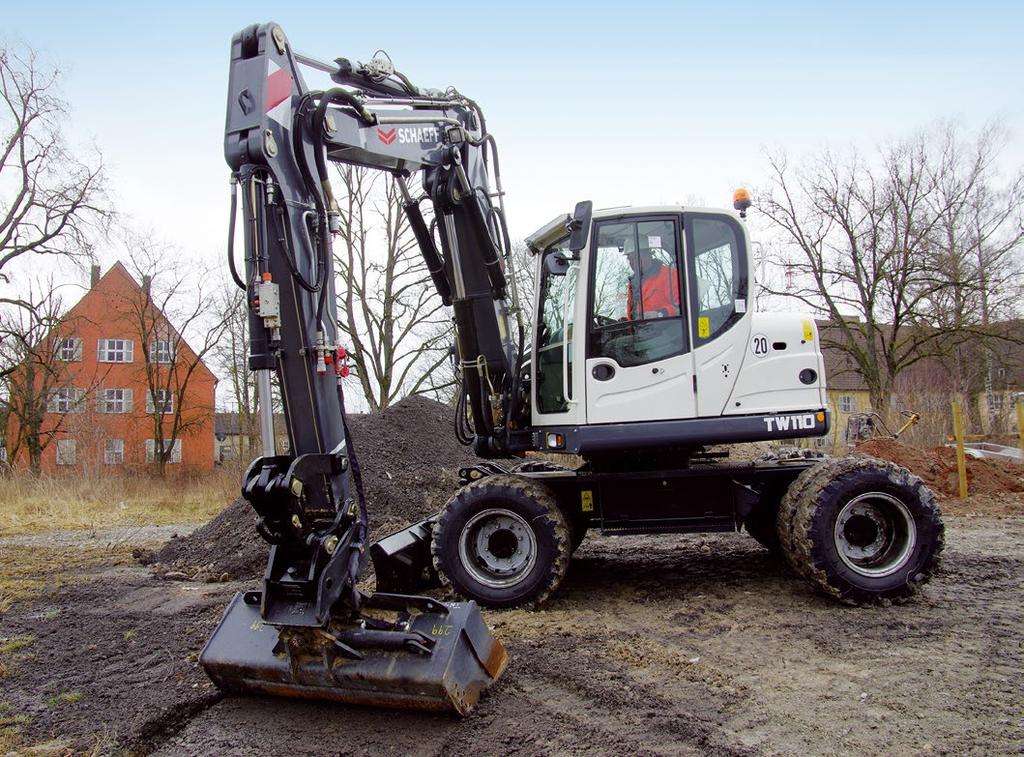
(580, 225)
(556, 264)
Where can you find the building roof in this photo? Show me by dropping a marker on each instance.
(115, 284)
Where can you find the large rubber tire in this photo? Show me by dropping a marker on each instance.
(577, 524)
(502, 541)
(862, 530)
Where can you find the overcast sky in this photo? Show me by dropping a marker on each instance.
(624, 103)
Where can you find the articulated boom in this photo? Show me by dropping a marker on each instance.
(280, 137)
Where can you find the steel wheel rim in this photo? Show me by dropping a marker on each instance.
(498, 548)
(875, 534)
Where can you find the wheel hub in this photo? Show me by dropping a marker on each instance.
(875, 534)
(498, 548)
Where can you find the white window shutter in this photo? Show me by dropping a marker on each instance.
(78, 348)
(150, 404)
(100, 349)
(101, 400)
(128, 402)
(129, 349)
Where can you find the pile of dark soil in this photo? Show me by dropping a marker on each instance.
(409, 459)
(937, 467)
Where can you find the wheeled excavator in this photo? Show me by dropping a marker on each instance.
(646, 351)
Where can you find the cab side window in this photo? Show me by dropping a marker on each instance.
(555, 332)
(719, 278)
(636, 310)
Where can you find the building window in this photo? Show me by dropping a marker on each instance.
(175, 451)
(67, 400)
(115, 350)
(114, 401)
(162, 399)
(69, 349)
(161, 351)
(113, 451)
(846, 403)
(66, 451)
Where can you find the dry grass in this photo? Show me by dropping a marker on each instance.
(38, 504)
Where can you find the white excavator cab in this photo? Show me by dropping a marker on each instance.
(651, 323)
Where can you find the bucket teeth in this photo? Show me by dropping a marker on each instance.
(440, 659)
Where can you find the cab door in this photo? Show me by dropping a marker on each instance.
(718, 271)
(638, 360)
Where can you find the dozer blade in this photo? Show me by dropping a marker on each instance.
(441, 659)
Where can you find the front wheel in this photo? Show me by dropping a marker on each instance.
(861, 529)
(502, 541)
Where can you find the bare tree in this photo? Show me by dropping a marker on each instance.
(50, 201)
(230, 356)
(175, 302)
(977, 249)
(399, 333)
(864, 240)
(40, 394)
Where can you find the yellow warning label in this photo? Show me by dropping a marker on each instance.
(808, 332)
(587, 501)
(703, 327)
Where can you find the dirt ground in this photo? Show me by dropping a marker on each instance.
(654, 645)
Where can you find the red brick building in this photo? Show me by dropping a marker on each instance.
(125, 388)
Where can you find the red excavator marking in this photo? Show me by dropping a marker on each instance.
(387, 137)
(279, 88)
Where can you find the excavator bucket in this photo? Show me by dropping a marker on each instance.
(411, 653)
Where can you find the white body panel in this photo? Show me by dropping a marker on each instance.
(768, 380)
(652, 392)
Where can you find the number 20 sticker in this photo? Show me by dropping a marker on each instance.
(759, 345)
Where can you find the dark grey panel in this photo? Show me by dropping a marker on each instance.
(690, 432)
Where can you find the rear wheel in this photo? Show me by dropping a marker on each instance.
(861, 529)
(502, 541)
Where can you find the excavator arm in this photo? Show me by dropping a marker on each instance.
(280, 139)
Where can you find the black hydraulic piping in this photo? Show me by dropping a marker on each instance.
(429, 250)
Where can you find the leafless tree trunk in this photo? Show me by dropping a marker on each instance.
(399, 333)
(50, 201)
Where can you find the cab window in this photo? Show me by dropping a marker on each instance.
(636, 308)
(718, 275)
(555, 331)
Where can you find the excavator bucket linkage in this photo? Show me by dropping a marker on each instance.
(405, 652)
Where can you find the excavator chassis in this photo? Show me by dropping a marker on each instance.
(407, 652)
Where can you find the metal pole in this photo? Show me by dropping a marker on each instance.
(961, 456)
(266, 398)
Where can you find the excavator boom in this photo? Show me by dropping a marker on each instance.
(310, 631)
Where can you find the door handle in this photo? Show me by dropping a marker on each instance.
(603, 371)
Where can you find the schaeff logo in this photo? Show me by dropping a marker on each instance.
(790, 422)
(408, 135)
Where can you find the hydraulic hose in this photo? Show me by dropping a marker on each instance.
(231, 234)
